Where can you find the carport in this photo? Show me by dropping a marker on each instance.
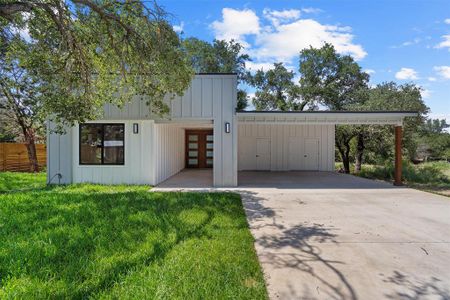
(304, 140)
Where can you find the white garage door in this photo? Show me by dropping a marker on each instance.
(303, 154)
(263, 154)
(285, 147)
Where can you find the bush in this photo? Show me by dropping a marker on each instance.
(428, 173)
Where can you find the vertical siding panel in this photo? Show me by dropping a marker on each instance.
(227, 139)
(207, 98)
(186, 101)
(218, 128)
(197, 97)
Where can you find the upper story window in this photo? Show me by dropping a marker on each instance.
(102, 144)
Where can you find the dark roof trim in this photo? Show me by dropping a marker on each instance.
(215, 73)
(329, 111)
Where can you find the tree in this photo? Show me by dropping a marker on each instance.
(391, 96)
(91, 52)
(219, 57)
(275, 90)
(337, 82)
(331, 79)
(434, 126)
(434, 140)
(21, 102)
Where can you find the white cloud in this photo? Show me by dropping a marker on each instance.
(311, 10)
(445, 43)
(178, 28)
(408, 43)
(443, 71)
(369, 71)
(431, 78)
(447, 21)
(281, 16)
(236, 24)
(425, 93)
(287, 40)
(406, 74)
(284, 36)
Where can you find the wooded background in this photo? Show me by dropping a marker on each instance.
(14, 157)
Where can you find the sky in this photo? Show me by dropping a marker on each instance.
(393, 40)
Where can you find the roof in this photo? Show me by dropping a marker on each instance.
(406, 112)
(325, 117)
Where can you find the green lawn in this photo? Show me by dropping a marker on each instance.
(13, 181)
(429, 176)
(120, 242)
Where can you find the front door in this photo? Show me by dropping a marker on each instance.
(199, 148)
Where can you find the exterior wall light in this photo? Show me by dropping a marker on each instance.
(135, 128)
(227, 127)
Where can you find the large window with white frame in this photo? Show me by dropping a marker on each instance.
(102, 144)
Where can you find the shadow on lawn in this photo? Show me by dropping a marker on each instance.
(84, 241)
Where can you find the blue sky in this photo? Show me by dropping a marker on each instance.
(393, 40)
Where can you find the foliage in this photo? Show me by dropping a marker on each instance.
(15, 181)
(21, 99)
(92, 241)
(378, 140)
(429, 176)
(275, 89)
(434, 126)
(337, 82)
(91, 52)
(331, 79)
(218, 57)
(434, 141)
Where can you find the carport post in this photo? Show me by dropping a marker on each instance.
(398, 156)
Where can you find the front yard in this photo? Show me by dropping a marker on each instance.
(83, 241)
(430, 176)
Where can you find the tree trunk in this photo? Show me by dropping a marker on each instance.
(31, 149)
(359, 152)
(345, 153)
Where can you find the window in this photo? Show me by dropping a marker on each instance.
(102, 144)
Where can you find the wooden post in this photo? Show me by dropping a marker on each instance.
(398, 156)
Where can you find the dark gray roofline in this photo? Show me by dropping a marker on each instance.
(329, 111)
(215, 73)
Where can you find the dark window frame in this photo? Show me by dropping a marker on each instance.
(102, 163)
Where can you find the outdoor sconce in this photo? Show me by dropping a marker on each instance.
(135, 128)
(227, 127)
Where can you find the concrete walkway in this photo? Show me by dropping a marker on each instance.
(335, 236)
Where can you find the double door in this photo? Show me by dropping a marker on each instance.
(199, 148)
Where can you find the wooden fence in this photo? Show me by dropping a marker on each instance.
(14, 157)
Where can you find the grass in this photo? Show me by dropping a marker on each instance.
(429, 176)
(123, 242)
(13, 181)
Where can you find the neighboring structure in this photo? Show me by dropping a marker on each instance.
(203, 131)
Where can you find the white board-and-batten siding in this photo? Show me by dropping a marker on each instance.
(157, 151)
(280, 137)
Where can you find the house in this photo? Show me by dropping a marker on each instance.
(203, 130)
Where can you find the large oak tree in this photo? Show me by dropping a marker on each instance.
(91, 52)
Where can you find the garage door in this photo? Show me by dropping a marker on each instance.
(303, 154)
(285, 147)
(263, 154)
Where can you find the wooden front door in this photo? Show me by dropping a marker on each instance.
(199, 148)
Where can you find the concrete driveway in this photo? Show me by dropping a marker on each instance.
(335, 236)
